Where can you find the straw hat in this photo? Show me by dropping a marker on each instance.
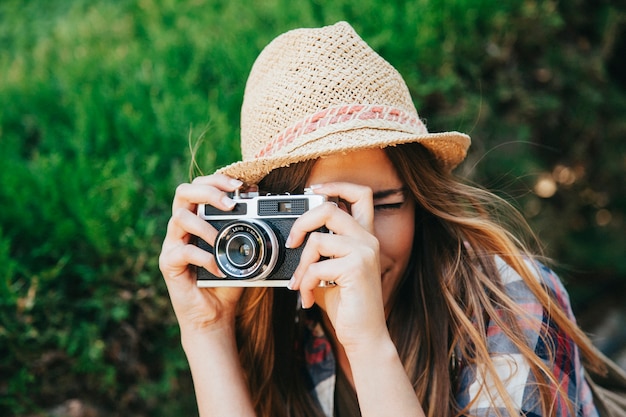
(314, 92)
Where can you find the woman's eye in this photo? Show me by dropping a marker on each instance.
(388, 206)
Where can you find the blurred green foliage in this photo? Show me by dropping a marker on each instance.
(101, 101)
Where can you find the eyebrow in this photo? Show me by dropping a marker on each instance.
(386, 193)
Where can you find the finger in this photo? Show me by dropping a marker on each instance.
(326, 215)
(188, 196)
(210, 190)
(313, 277)
(323, 245)
(175, 260)
(347, 249)
(359, 197)
(184, 223)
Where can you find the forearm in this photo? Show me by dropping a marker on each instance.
(218, 378)
(381, 383)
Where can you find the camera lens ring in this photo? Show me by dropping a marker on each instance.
(263, 249)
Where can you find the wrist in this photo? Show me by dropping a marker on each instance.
(194, 335)
(380, 379)
(366, 350)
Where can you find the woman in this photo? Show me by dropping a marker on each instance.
(436, 309)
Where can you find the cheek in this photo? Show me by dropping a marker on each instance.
(395, 234)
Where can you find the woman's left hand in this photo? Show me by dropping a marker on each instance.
(355, 304)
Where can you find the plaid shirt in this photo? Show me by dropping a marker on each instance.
(512, 369)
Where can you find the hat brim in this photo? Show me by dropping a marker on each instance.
(450, 148)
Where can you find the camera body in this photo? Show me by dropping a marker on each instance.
(250, 244)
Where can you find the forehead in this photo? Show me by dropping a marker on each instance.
(370, 167)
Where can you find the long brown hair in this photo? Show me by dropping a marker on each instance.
(442, 305)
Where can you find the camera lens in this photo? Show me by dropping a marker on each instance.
(246, 249)
(241, 250)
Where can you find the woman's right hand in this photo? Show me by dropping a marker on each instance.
(197, 309)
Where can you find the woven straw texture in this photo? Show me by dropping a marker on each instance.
(314, 92)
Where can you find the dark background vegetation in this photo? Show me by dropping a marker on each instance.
(100, 101)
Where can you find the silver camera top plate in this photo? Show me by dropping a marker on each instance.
(268, 206)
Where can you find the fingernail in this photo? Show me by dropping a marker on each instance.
(289, 242)
(228, 202)
(292, 281)
(315, 186)
(236, 183)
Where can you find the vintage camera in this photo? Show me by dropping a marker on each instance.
(250, 244)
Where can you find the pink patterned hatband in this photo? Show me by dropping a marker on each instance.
(353, 116)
